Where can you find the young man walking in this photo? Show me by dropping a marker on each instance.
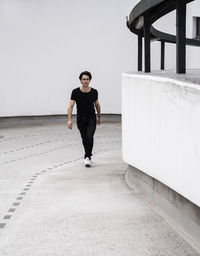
(86, 98)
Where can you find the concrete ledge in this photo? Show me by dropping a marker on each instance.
(20, 121)
(179, 209)
(160, 130)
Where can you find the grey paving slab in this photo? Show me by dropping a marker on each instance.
(16, 204)
(11, 210)
(2, 225)
(6, 217)
(73, 210)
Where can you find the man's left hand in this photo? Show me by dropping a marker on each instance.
(99, 120)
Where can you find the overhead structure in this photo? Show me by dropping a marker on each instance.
(140, 22)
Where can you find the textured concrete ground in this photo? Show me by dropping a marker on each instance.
(52, 205)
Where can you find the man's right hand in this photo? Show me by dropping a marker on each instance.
(69, 124)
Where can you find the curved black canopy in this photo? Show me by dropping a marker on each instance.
(156, 9)
(141, 20)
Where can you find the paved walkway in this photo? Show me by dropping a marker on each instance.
(52, 205)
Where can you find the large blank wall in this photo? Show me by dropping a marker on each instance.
(45, 44)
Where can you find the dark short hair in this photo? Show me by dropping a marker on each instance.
(86, 73)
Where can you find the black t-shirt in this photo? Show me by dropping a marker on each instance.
(85, 102)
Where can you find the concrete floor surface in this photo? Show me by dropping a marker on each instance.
(52, 205)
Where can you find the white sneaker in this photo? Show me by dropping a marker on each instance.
(87, 162)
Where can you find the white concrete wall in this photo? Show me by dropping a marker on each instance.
(161, 131)
(45, 45)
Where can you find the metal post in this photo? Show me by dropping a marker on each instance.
(147, 42)
(180, 36)
(162, 62)
(139, 53)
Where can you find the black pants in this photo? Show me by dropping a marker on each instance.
(87, 127)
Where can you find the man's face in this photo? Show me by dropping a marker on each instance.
(85, 81)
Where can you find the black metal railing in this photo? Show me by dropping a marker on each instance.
(140, 21)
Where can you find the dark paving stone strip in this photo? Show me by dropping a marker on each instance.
(16, 204)
(11, 210)
(2, 225)
(8, 139)
(34, 135)
(7, 217)
(34, 145)
(26, 157)
(19, 198)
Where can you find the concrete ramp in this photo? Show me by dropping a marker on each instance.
(52, 205)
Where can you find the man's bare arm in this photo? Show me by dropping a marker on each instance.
(69, 113)
(98, 108)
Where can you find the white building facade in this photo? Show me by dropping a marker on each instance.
(160, 115)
